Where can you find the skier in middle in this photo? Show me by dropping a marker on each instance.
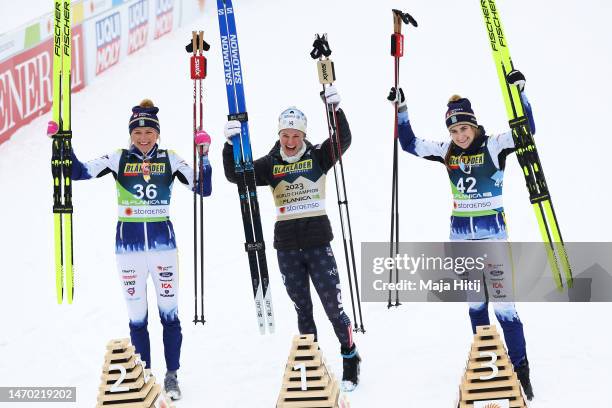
(296, 170)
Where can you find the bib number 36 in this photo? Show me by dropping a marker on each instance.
(150, 191)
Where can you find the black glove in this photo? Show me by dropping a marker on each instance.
(398, 98)
(516, 77)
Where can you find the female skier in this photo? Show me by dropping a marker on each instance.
(145, 241)
(295, 170)
(475, 163)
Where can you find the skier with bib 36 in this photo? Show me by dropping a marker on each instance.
(475, 164)
(145, 241)
(295, 170)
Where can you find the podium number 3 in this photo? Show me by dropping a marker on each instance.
(302, 368)
(489, 364)
(122, 373)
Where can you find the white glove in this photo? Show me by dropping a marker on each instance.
(332, 97)
(232, 128)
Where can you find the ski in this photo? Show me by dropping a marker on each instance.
(243, 159)
(61, 154)
(526, 151)
(325, 67)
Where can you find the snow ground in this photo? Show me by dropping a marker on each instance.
(413, 356)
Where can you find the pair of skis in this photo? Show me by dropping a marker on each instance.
(243, 159)
(327, 75)
(59, 130)
(526, 151)
(197, 46)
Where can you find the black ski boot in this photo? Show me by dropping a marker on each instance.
(522, 372)
(350, 368)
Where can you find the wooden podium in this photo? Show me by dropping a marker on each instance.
(125, 382)
(307, 382)
(489, 380)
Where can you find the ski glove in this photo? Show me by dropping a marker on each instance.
(398, 98)
(331, 97)
(232, 128)
(202, 139)
(516, 77)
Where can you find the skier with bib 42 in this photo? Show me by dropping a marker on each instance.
(295, 170)
(145, 242)
(475, 164)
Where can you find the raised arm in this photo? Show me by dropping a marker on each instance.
(262, 166)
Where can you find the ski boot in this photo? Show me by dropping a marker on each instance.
(350, 368)
(522, 372)
(171, 386)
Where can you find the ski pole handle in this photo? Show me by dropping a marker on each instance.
(320, 47)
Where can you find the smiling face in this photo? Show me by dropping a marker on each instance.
(463, 135)
(144, 138)
(291, 141)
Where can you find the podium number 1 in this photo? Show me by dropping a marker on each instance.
(489, 364)
(302, 368)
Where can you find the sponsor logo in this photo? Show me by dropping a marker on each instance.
(474, 160)
(26, 80)
(135, 169)
(496, 273)
(166, 274)
(471, 206)
(498, 285)
(108, 42)
(163, 17)
(293, 208)
(280, 170)
(128, 277)
(138, 23)
(133, 212)
(129, 283)
(166, 286)
(163, 268)
(131, 291)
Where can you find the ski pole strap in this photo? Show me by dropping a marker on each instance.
(320, 47)
(241, 116)
(254, 246)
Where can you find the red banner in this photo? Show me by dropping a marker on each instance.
(26, 83)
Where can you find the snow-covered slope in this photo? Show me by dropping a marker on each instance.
(412, 356)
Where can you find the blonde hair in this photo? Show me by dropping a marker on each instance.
(146, 103)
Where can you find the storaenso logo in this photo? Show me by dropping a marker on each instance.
(57, 29)
(494, 28)
(472, 206)
(299, 207)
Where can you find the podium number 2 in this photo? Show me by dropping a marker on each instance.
(122, 373)
(302, 368)
(489, 364)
